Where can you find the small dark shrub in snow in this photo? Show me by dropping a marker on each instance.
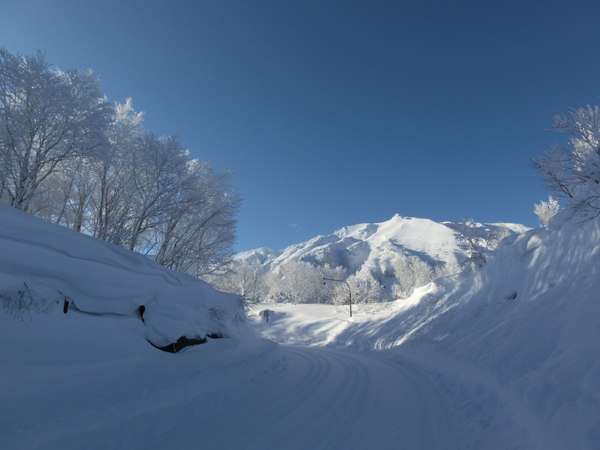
(22, 302)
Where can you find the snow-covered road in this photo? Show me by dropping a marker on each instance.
(305, 398)
(331, 399)
(316, 399)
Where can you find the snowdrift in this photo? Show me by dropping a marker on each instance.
(522, 334)
(42, 265)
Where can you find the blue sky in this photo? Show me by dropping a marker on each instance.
(333, 113)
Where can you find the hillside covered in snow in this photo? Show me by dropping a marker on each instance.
(524, 330)
(515, 345)
(384, 261)
(373, 245)
(49, 268)
(504, 356)
(79, 321)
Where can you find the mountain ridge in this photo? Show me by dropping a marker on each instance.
(370, 246)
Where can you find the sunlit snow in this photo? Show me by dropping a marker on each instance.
(507, 357)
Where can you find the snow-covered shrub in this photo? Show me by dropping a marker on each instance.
(478, 239)
(410, 272)
(21, 302)
(546, 210)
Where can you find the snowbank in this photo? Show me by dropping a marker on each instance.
(45, 264)
(89, 378)
(522, 334)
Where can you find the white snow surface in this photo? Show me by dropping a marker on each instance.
(515, 346)
(504, 358)
(96, 277)
(369, 246)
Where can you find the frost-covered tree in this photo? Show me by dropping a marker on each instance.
(444, 270)
(325, 292)
(274, 286)
(341, 296)
(114, 185)
(213, 235)
(159, 164)
(478, 240)
(245, 279)
(182, 212)
(410, 273)
(366, 291)
(65, 197)
(546, 210)
(46, 118)
(301, 282)
(251, 280)
(70, 157)
(574, 170)
(298, 279)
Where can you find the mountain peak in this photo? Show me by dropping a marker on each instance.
(370, 246)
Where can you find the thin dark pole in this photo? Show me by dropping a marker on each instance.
(349, 291)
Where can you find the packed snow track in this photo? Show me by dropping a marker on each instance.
(328, 399)
(312, 398)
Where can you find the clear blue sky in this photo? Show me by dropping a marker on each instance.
(334, 113)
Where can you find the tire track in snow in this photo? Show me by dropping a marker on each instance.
(354, 401)
(321, 399)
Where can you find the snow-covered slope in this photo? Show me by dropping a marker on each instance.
(514, 346)
(523, 332)
(42, 265)
(507, 356)
(370, 246)
(262, 255)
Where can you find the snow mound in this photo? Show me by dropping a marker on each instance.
(46, 265)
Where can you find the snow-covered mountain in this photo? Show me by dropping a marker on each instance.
(371, 246)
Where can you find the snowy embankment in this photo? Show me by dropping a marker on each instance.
(90, 378)
(515, 346)
(43, 265)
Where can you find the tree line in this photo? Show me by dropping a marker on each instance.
(302, 282)
(71, 157)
